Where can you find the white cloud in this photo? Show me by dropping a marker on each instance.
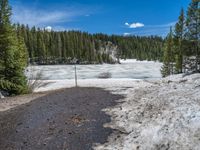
(127, 34)
(127, 24)
(48, 28)
(134, 25)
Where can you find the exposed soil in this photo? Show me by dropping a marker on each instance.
(69, 119)
(12, 102)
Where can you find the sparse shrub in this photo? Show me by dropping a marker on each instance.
(34, 81)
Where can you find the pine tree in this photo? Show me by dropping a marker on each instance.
(178, 42)
(41, 47)
(167, 68)
(193, 28)
(13, 56)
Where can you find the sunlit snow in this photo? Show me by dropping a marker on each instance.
(129, 69)
(123, 75)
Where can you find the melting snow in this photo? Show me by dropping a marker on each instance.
(159, 114)
(156, 113)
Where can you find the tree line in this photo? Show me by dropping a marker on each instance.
(182, 46)
(53, 47)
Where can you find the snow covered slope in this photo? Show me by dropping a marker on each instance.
(162, 114)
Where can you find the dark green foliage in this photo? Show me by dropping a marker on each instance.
(193, 28)
(51, 47)
(167, 67)
(178, 42)
(141, 48)
(13, 56)
(12, 88)
(184, 43)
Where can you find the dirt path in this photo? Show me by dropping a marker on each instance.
(69, 119)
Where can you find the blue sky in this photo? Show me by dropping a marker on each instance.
(122, 17)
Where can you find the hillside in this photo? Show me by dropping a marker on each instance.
(53, 47)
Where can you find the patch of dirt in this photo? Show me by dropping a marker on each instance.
(77, 119)
(69, 119)
(12, 102)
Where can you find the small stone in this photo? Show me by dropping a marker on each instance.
(1, 96)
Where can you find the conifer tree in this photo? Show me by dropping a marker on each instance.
(178, 42)
(193, 28)
(13, 56)
(167, 67)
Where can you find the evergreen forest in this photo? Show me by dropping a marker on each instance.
(52, 47)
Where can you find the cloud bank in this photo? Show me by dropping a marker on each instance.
(35, 15)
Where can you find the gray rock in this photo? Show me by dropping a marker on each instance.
(1, 96)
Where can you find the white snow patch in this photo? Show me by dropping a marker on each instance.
(159, 114)
(55, 77)
(130, 69)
